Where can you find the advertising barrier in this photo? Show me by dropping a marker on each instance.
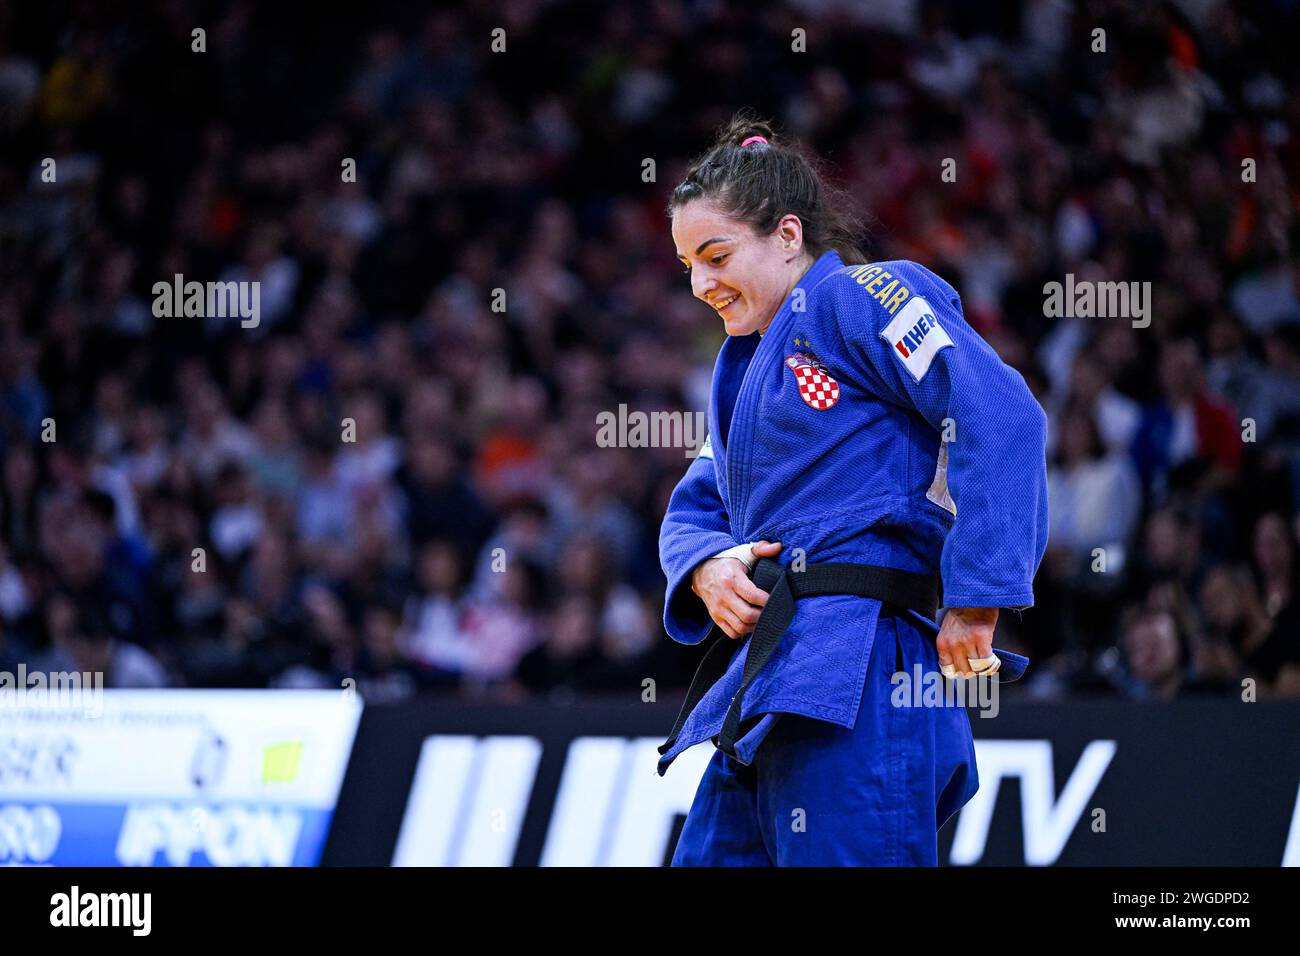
(278, 778)
(173, 778)
(1195, 782)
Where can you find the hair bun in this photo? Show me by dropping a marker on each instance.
(742, 128)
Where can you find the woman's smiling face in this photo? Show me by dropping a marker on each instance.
(743, 276)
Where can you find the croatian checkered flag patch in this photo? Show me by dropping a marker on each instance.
(816, 387)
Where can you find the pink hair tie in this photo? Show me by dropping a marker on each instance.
(753, 139)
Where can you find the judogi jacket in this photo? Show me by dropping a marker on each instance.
(869, 423)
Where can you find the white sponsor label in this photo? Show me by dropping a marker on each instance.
(915, 337)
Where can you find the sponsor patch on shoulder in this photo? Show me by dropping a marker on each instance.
(915, 337)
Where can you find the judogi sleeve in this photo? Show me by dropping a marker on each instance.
(925, 356)
(695, 527)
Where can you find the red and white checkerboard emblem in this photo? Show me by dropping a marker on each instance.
(816, 387)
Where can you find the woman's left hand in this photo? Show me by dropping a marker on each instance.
(967, 632)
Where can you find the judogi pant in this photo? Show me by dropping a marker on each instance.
(818, 794)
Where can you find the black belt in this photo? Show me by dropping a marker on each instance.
(906, 590)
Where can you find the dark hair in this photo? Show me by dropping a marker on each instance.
(1075, 408)
(102, 505)
(758, 184)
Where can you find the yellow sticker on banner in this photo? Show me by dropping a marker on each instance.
(280, 762)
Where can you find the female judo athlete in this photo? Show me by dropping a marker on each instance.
(869, 460)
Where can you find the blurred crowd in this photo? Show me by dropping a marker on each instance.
(393, 477)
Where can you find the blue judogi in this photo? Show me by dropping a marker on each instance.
(869, 424)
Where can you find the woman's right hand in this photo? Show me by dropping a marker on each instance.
(732, 599)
